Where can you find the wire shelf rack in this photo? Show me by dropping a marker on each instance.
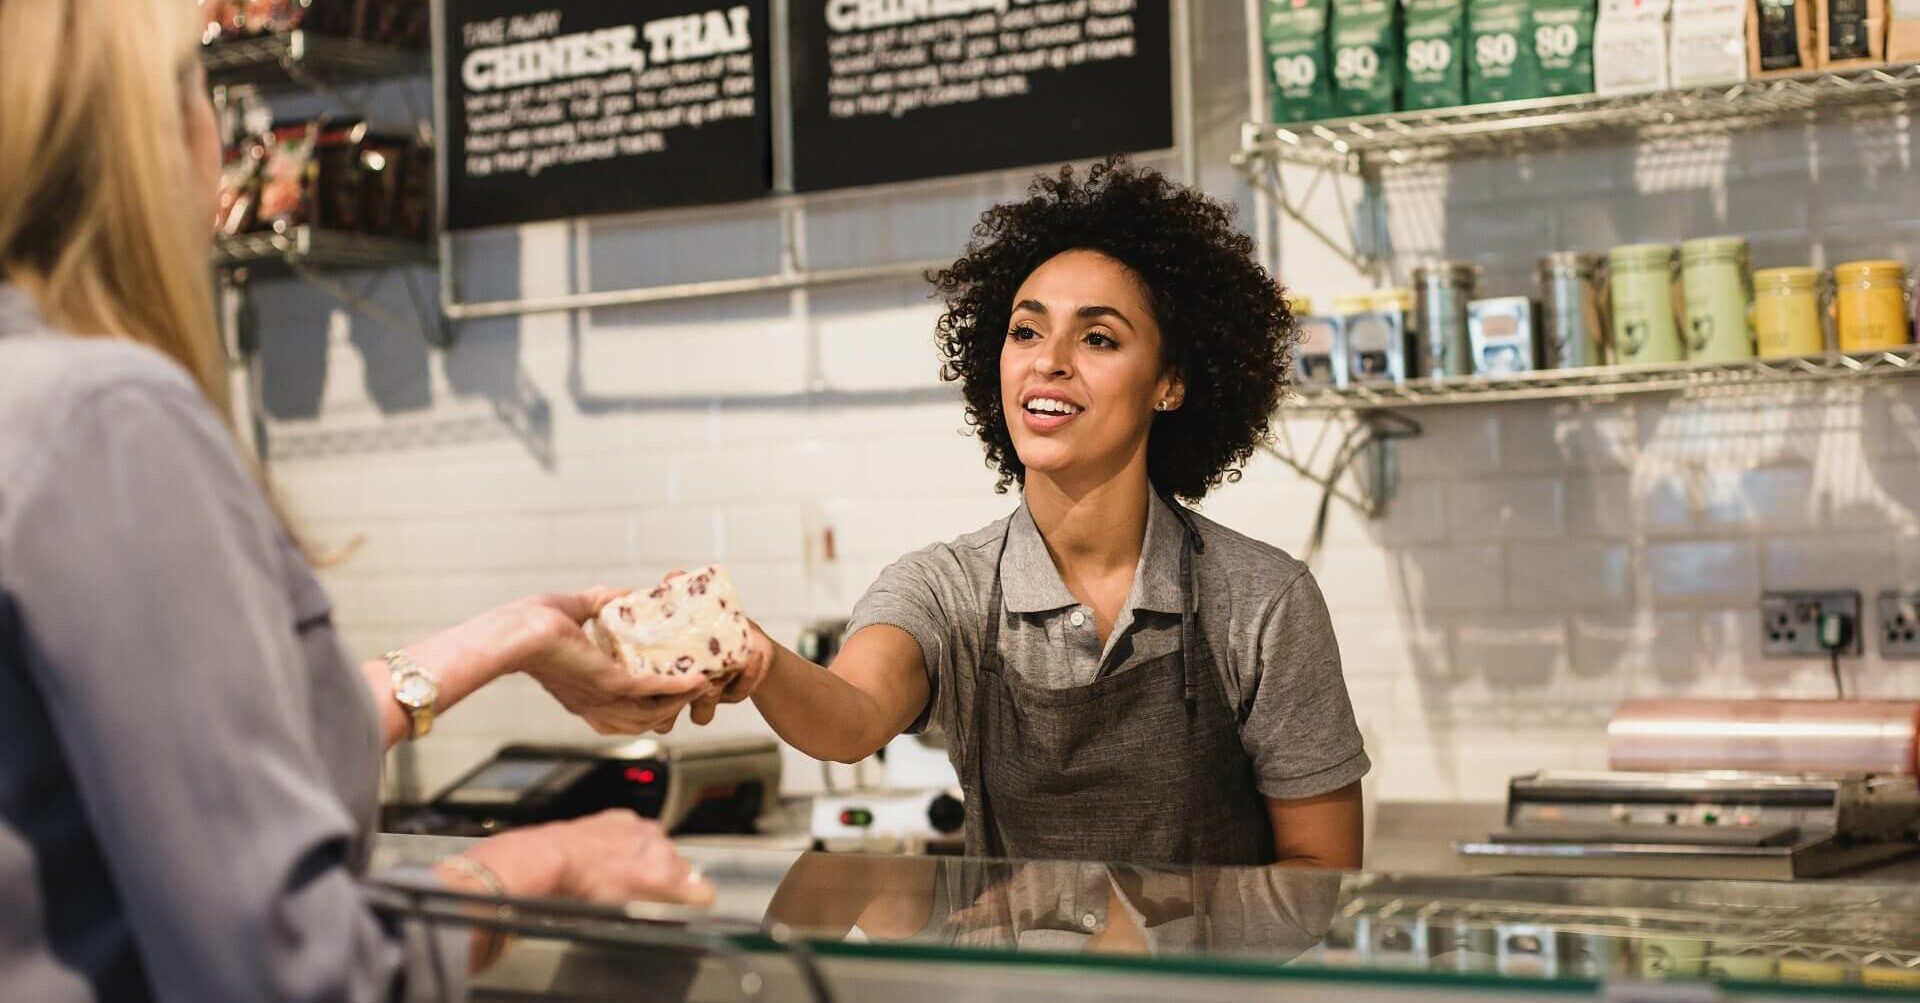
(1614, 381)
(306, 247)
(296, 59)
(1367, 143)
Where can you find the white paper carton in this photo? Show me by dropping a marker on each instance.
(1630, 47)
(1709, 45)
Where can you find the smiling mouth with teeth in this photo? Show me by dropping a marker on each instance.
(1047, 405)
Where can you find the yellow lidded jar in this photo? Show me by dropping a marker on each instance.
(1870, 305)
(1396, 298)
(1348, 304)
(1786, 312)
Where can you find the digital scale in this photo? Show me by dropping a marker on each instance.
(696, 786)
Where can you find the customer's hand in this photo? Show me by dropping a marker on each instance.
(586, 680)
(760, 655)
(612, 857)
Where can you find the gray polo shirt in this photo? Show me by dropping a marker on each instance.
(1264, 619)
(189, 764)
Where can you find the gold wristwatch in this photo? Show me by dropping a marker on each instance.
(416, 690)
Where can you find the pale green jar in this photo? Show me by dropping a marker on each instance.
(1644, 327)
(1719, 293)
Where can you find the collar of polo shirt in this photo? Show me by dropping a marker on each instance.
(1029, 582)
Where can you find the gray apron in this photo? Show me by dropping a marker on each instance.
(1142, 766)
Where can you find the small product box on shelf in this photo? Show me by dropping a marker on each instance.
(1300, 82)
(1781, 40)
(1377, 341)
(1563, 45)
(1852, 33)
(1709, 45)
(1502, 66)
(1630, 47)
(1319, 358)
(1366, 56)
(1435, 64)
(1505, 336)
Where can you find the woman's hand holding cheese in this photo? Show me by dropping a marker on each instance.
(587, 679)
(684, 640)
(545, 637)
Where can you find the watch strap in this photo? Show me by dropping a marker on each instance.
(419, 717)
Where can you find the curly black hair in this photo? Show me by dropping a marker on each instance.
(1225, 327)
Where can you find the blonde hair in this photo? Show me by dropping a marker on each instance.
(99, 221)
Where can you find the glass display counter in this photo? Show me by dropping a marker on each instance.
(834, 927)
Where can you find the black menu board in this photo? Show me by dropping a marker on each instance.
(895, 90)
(561, 108)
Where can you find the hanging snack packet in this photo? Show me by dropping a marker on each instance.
(1435, 67)
(1366, 56)
(1298, 82)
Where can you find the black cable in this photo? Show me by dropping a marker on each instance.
(1839, 684)
(1342, 458)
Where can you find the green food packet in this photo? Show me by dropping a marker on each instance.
(1563, 46)
(1366, 56)
(1298, 80)
(1501, 64)
(1434, 68)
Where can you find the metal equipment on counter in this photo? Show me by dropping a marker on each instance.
(1747, 789)
(1844, 737)
(918, 808)
(922, 821)
(696, 785)
(1699, 825)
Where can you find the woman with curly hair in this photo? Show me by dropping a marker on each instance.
(1118, 678)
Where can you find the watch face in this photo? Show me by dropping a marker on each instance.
(415, 689)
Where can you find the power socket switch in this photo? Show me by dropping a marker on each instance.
(1899, 624)
(1791, 623)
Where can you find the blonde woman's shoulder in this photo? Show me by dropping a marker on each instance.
(48, 378)
(54, 371)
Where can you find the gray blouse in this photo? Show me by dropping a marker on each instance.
(189, 763)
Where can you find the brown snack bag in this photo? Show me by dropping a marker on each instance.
(1781, 38)
(1853, 33)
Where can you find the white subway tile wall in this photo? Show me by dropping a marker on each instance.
(1489, 622)
(1538, 562)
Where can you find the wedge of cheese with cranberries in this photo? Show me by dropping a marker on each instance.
(690, 622)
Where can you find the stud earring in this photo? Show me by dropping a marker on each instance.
(1160, 405)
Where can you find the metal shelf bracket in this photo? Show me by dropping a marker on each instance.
(1357, 247)
(1365, 447)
